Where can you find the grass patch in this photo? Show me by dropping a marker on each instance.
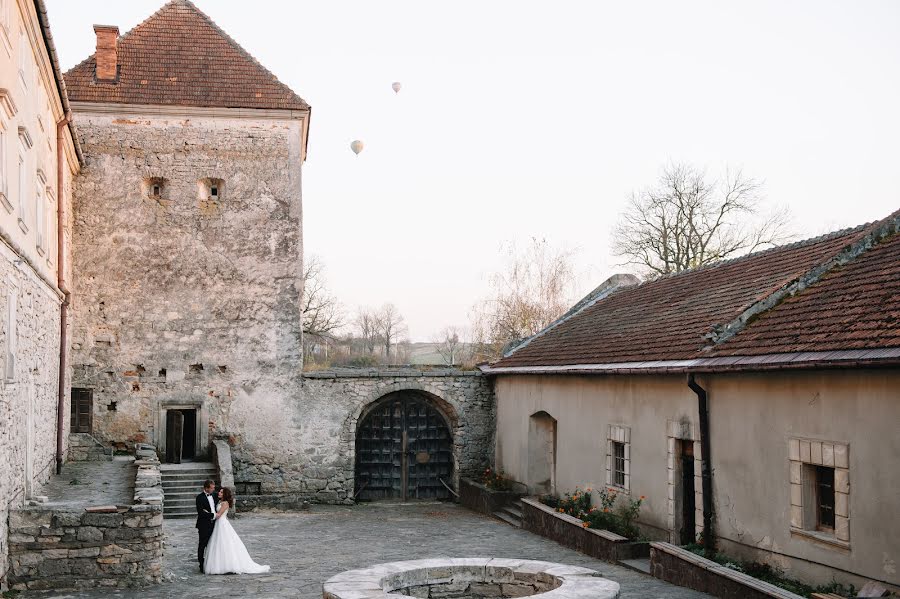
(774, 576)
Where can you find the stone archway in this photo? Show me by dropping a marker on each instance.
(404, 448)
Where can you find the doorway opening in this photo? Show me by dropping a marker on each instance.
(685, 503)
(82, 410)
(181, 436)
(542, 453)
(404, 450)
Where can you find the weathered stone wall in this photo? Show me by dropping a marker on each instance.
(319, 465)
(84, 448)
(28, 393)
(182, 300)
(56, 548)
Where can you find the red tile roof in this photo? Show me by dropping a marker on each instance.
(178, 56)
(854, 306)
(682, 317)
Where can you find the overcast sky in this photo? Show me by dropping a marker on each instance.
(520, 118)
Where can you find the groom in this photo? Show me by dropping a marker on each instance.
(206, 513)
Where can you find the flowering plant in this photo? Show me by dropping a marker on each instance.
(602, 514)
(496, 480)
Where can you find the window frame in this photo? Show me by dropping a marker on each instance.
(618, 435)
(810, 461)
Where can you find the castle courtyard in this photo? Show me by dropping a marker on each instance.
(306, 548)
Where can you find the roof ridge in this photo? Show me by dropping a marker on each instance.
(603, 290)
(236, 45)
(230, 41)
(873, 233)
(787, 246)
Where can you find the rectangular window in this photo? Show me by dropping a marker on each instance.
(40, 218)
(824, 498)
(24, 50)
(618, 455)
(12, 298)
(21, 188)
(618, 450)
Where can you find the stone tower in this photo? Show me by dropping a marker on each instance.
(187, 241)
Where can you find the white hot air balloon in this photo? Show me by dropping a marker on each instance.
(356, 146)
(396, 86)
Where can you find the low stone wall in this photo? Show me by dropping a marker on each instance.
(684, 568)
(85, 448)
(107, 546)
(570, 531)
(479, 498)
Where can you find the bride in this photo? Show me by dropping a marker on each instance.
(226, 553)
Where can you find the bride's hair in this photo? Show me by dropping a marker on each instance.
(228, 496)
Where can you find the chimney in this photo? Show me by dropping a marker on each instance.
(107, 53)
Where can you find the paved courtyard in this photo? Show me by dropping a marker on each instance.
(306, 548)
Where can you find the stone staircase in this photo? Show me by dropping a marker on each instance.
(181, 483)
(511, 513)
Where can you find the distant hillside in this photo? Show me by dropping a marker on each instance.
(427, 354)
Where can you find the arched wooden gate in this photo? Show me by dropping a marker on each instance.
(404, 450)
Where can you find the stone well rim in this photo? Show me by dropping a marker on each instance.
(381, 581)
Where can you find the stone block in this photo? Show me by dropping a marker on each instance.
(815, 452)
(842, 504)
(102, 520)
(841, 456)
(842, 480)
(805, 452)
(55, 553)
(796, 495)
(29, 518)
(827, 454)
(842, 528)
(89, 534)
(796, 470)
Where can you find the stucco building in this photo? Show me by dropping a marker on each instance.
(776, 375)
(38, 160)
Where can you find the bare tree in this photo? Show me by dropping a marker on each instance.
(450, 345)
(390, 326)
(366, 323)
(535, 287)
(323, 315)
(686, 221)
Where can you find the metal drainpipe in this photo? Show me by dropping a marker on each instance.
(61, 283)
(709, 537)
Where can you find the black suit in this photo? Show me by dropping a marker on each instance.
(205, 523)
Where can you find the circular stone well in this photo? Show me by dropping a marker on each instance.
(470, 578)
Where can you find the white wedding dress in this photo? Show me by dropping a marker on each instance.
(226, 552)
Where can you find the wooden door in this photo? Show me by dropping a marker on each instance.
(174, 436)
(82, 411)
(403, 451)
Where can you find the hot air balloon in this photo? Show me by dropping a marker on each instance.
(356, 146)
(396, 86)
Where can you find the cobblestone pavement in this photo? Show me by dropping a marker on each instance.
(93, 483)
(306, 548)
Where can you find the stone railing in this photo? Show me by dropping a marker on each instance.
(570, 531)
(107, 546)
(684, 568)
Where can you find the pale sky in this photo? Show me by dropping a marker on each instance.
(520, 118)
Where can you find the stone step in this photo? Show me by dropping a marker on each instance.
(508, 519)
(513, 511)
(641, 564)
(189, 477)
(183, 488)
(183, 515)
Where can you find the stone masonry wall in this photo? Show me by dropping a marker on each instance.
(111, 546)
(333, 401)
(184, 300)
(28, 394)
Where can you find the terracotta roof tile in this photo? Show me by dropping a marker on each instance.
(179, 56)
(856, 306)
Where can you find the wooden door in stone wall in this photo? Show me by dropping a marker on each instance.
(404, 450)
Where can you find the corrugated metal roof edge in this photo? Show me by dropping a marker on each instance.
(851, 358)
